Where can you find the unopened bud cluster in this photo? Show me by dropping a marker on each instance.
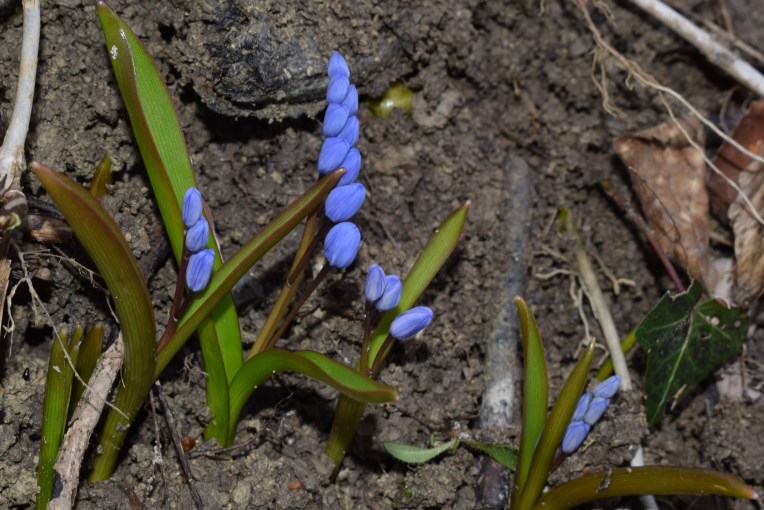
(341, 130)
(384, 292)
(200, 258)
(589, 410)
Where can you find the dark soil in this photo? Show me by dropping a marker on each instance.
(496, 83)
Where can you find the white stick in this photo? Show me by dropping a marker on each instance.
(599, 306)
(714, 51)
(84, 420)
(12, 150)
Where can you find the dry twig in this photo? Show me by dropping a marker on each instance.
(84, 420)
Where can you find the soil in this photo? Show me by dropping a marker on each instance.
(498, 84)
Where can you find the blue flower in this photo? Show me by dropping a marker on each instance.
(350, 101)
(574, 436)
(199, 270)
(581, 407)
(337, 89)
(596, 409)
(341, 244)
(333, 153)
(344, 201)
(192, 207)
(335, 118)
(197, 236)
(352, 166)
(411, 322)
(338, 66)
(350, 131)
(375, 283)
(608, 387)
(392, 295)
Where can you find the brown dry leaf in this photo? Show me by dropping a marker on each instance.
(747, 173)
(669, 178)
(749, 133)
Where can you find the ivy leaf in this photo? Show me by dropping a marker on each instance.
(686, 341)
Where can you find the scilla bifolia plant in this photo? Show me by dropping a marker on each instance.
(202, 303)
(546, 437)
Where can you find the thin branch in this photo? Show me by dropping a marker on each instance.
(715, 52)
(84, 420)
(12, 150)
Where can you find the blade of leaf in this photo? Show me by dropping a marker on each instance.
(58, 385)
(535, 392)
(554, 428)
(109, 251)
(89, 351)
(163, 148)
(657, 480)
(686, 342)
(504, 454)
(411, 454)
(347, 381)
(232, 270)
(348, 413)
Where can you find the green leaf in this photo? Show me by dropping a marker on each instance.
(348, 414)
(554, 428)
(686, 341)
(58, 385)
(347, 381)
(163, 148)
(416, 455)
(656, 480)
(233, 269)
(504, 454)
(114, 260)
(89, 351)
(535, 392)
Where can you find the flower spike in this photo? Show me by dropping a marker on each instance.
(338, 66)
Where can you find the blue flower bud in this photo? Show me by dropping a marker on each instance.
(341, 244)
(333, 153)
(335, 119)
(581, 407)
(375, 283)
(338, 66)
(596, 409)
(344, 201)
(192, 207)
(574, 436)
(337, 89)
(608, 387)
(197, 236)
(351, 100)
(392, 295)
(350, 131)
(411, 322)
(199, 270)
(352, 166)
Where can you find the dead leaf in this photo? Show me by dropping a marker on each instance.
(749, 133)
(669, 178)
(748, 174)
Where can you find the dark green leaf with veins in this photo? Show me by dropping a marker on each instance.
(686, 341)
